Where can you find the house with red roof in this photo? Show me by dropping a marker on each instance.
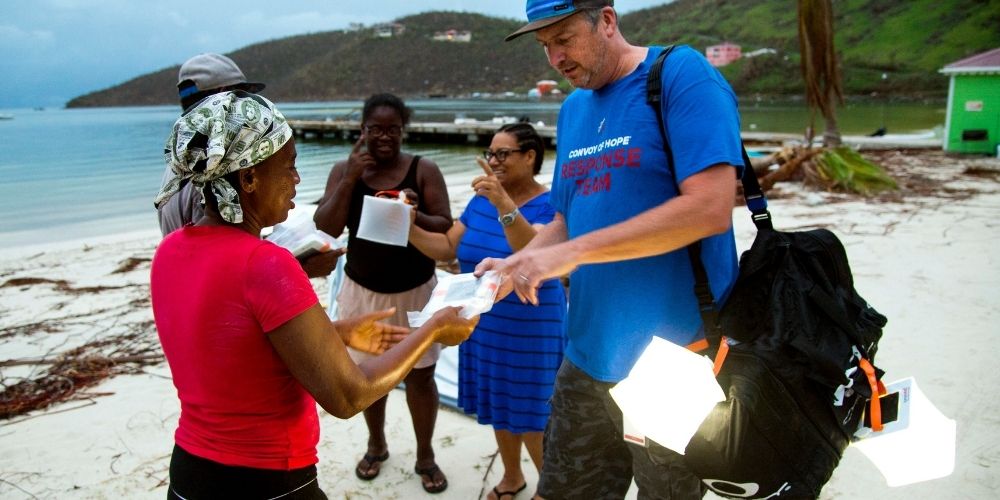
(723, 54)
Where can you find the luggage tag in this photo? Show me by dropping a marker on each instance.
(895, 405)
(632, 434)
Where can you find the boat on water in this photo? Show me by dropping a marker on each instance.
(5, 116)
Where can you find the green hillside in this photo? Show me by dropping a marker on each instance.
(908, 40)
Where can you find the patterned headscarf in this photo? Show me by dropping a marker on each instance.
(224, 133)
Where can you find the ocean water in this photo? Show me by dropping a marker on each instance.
(70, 174)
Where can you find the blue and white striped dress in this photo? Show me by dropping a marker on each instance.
(508, 366)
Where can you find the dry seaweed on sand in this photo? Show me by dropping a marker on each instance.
(70, 373)
(71, 337)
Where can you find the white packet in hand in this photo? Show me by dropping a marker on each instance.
(474, 295)
(301, 238)
(385, 220)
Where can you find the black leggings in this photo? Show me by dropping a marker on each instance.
(194, 478)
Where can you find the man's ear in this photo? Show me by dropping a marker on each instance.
(248, 179)
(610, 18)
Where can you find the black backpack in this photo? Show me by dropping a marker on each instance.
(793, 347)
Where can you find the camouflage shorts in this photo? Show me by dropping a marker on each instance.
(586, 457)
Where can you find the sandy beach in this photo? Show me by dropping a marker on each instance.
(926, 257)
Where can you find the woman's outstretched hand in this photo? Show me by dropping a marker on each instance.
(369, 335)
(449, 328)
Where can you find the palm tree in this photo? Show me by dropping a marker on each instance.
(819, 65)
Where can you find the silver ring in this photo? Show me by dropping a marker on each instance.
(525, 278)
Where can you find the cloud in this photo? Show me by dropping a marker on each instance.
(14, 34)
(269, 25)
(178, 19)
(77, 46)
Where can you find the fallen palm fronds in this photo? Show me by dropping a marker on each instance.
(831, 169)
(843, 169)
(782, 165)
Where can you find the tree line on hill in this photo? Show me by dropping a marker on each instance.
(892, 47)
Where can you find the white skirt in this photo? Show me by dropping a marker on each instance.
(355, 300)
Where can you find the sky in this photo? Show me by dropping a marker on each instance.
(54, 50)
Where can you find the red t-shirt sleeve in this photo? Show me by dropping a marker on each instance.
(277, 287)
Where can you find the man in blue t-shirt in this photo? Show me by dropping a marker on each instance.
(621, 231)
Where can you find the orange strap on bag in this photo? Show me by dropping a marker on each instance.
(720, 357)
(878, 390)
(698, 345)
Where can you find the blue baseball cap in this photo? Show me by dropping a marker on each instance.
(542, 13)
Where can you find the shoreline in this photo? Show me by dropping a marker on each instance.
(924, 257)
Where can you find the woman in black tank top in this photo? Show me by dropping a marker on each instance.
(385, 268)
(376, 163)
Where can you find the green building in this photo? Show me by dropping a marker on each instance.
(973, 121)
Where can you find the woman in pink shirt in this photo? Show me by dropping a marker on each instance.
(250, 349)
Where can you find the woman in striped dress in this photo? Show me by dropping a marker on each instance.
(508, 365)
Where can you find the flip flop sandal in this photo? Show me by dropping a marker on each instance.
(430, 472)
(372, 461)
(512, 493)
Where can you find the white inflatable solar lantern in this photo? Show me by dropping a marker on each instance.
(918, 446)
(668, 394)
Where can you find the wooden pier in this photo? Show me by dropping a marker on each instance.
(481, 132)
(471, 132)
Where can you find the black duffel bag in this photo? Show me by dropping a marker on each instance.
(793, 347)
(795, 350)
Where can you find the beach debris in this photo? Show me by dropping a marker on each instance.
(75, 370)
(130, 264)
(982, 171)
(838, 169)
(60, 285)
(63, 337)
(782, 165)
(842, 168)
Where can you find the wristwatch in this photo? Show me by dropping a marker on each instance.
(507, 219)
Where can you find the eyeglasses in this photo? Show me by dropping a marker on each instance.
(379, 131)
(500, 154)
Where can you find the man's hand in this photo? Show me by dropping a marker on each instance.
(525, 271)
(322, 263)
(365, 333)
(547, 256)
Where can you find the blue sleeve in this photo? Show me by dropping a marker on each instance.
(700, 112)
(543, 211)
(559, 194)
(464, 218)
